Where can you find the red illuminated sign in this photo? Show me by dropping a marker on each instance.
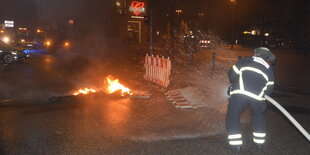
(137, 7)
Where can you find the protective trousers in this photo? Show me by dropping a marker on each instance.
(236, 105)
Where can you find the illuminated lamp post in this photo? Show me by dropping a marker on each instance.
(233, 22)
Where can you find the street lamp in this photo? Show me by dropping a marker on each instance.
(232, 22)
(233, 1)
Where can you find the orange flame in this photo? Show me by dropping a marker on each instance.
(84, 91)
(114, 85)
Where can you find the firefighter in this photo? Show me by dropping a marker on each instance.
(251, 78)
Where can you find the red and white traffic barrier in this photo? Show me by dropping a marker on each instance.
(157, 70)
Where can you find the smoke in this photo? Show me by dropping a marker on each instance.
(63, 71)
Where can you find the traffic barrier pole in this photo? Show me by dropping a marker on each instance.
(290, 117)
(152, 68)
(161, 75)
(146, 67)
(213, 59)
(157, 69)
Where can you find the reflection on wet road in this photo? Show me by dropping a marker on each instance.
(117, 115)
(36, 79)
(82, 121)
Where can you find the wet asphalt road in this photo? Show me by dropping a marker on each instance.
(103, 124)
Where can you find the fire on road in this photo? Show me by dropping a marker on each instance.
(112, 85)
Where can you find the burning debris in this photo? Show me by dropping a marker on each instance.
(84, 91)
(112, 87)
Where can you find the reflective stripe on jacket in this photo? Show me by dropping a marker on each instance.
(253, 77)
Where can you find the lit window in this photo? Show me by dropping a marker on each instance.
(120, 6)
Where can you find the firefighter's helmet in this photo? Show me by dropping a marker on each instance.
(264, 53)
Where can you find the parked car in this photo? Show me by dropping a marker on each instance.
(205, 43)
(10, 54)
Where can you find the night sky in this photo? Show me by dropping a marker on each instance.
(248, 11)
(218, 12)
(17, 10)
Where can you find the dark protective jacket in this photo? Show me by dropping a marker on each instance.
(253, 77)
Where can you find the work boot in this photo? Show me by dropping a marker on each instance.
(235, 148)
(259, 146)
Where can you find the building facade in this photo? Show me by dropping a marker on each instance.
(132, 14)
(108, 19)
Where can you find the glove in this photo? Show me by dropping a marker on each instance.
(229, 90)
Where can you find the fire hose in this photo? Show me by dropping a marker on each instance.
(290, 117)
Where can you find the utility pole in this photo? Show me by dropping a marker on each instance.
(150, 19)
(174, 4)
(151, 32)
(233, 22)
(38, 13)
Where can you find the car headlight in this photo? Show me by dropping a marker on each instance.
(14, 53)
